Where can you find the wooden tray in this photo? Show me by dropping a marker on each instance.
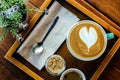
(92, 69)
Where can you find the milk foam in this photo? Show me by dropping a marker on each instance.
(89, 37)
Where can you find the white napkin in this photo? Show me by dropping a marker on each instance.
(55, 38)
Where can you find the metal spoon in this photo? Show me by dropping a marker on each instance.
(38, 47)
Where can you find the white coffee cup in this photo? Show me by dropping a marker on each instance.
(79, 72)
(87, 40)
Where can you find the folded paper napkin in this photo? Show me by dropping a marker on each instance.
(55, 38)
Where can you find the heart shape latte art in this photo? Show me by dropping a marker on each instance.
(88, 36)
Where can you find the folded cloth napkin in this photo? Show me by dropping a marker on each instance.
(55, 38)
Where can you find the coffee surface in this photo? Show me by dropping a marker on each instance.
(72, 76)
(87, 40)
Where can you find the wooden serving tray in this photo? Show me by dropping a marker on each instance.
(92, 69)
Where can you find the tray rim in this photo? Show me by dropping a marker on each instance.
(86, 11)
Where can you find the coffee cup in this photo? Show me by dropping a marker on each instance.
(87, 40)
(72, 74)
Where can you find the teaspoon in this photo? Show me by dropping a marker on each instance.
(38, 47)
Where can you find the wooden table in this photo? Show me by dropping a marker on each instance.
(109, 8)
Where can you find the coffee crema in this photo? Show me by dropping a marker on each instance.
(87, 39)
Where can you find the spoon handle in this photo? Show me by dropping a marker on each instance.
(51, 27)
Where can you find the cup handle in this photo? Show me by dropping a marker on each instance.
(110, 36)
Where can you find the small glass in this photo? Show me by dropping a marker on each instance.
(55, 65)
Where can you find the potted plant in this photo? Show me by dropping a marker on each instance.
(12, 17)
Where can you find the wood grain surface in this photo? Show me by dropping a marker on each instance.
(110, 8)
